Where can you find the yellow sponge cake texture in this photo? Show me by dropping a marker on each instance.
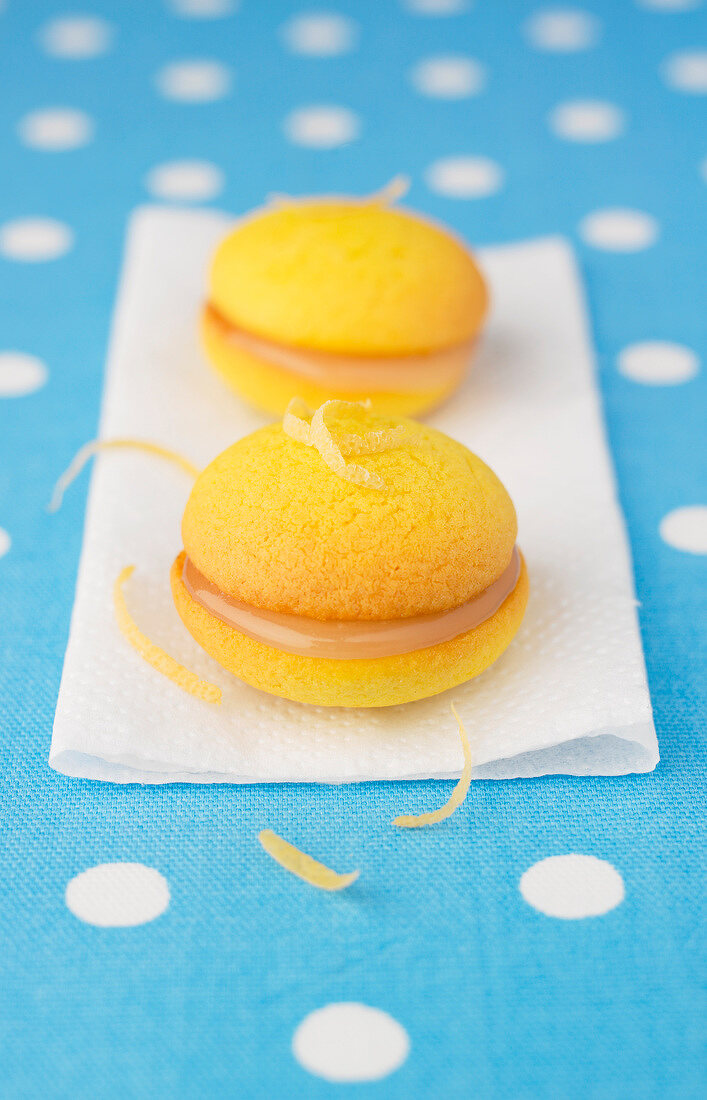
(357, 278)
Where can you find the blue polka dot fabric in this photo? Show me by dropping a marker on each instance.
(545, 941)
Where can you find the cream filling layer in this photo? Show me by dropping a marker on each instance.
(435, 370)
(347, 640)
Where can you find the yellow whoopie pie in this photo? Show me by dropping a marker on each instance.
(336, 298)
(365, 562)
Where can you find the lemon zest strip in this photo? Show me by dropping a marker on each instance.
(324, 441)
(153, 654)
(295, 422)
(371, 442)
(90, 449)
(312, 430)
(416, 821)
(302, 865)
(394, 190)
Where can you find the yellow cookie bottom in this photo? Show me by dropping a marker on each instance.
(271, 388)
(379, 682)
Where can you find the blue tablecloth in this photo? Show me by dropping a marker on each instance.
(498, 999)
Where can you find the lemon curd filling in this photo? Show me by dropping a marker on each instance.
(347, 639)
(442, 369)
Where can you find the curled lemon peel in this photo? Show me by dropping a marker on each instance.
(372, 442)
(295, 422)
(96, 445)
(311, 429)
(153, 654)
(302, 865)
(325, 443)
(390, 193)
(393, 191)
(416, 821)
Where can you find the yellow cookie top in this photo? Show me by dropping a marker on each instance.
(270, 523)
(350, 277)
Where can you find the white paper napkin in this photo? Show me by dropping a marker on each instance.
(570, 694)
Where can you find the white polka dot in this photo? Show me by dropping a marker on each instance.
(5, 541)
(185, 181)
(669, 5)
(194, 81)
(572, 886)
(449, 77)
(55, 129)
(322, 127)
(349, 1041)
(20, 373)
(619, 230)
(587, 120)
(203, 9)
(658, 363)
(437, 7)
(686, 529)
(562, 30)
(320, 35)
(464, 177)
(686, 72)
(76, 37)
(34, 239)
(117, 895)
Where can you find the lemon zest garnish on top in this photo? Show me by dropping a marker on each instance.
(396, 189)
(96, 445)
(311, 429)
(295, 422)
(372, 442)
(330, 451)
(302, 865)
(416, 821)
(390, 193)
(153, 654)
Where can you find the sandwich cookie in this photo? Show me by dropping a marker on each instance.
(345, 558)
(342, 298)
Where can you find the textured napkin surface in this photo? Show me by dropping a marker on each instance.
(570, 695)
